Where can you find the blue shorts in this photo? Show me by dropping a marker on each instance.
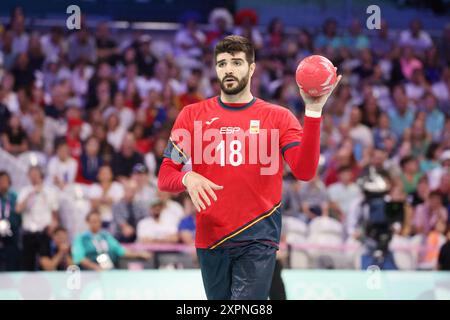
(241, 272)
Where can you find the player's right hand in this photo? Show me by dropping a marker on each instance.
(198, 186)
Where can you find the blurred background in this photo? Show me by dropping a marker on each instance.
(85, 115)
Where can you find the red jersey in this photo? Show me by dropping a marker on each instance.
(239, 148)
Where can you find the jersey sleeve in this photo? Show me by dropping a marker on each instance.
(291, 132)
(179, 145)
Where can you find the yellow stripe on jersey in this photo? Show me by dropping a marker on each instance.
(179, 150)
(246, 227)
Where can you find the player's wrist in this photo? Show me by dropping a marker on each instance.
(317, 113)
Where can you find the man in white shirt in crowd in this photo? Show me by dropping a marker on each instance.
(38, 205)
(62, 168)
(172, 212)
(342, 193)
(145, 187)
(154, 229)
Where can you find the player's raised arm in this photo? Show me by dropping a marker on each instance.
(303, 157)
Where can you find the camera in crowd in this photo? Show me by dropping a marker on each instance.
(382, 214)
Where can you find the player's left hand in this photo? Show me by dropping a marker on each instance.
(316, 103)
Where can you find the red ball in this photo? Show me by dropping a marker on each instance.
(316, 75)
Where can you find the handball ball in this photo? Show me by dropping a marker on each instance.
(315, 75)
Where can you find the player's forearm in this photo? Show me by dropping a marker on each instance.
(170, 177)
(304, 158)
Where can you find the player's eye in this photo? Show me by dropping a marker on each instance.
(237, 63)
(221, 64)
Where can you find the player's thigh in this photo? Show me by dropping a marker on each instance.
(215, 267)
(252, 273)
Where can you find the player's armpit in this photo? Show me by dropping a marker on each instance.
(170, 176)
(303, 158)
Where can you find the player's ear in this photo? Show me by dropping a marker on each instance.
(252, 68)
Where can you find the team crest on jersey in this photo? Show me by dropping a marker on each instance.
(254, 126)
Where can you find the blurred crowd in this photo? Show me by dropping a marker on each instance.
(90, 112)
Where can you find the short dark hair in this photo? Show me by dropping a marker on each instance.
(406, 160)
(436, 194)
(59, 229)
(233, 44)
(92, 213)
(5, 174)
(344, 168)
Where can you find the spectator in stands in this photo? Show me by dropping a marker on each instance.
(246, 21)
(221, 24)
(401, 114)
(431, 159)
(191, 95)
(90, 161)
(418, 39)
(435, 118)
(275, 37)
(54, 253)
(97, 249)
(62, 168)
(410, 175)
(9, 56)
(329, 36)
(20, 36)
(383, 42)
(53, 44)
(145, 185)
(358, 131)
(81, 45)
(104, 194)
(116, 132)
(14, 139)
(124, 161)
(38, 205)
(154, 229)
(435, 175)
(10, 223)
(145, 59)
(355, 39)
(106, 46)
(189, 41)
(342, 193)
(127, 213)
(172, 211)
(428, 214)
(314, 198)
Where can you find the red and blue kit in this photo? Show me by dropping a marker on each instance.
(240, 147)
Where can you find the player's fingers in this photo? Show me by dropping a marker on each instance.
(211, 192)
(194, 199)
(205, 197)
(214, 186)
(198, 200)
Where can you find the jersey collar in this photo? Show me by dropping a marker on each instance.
(245, 106)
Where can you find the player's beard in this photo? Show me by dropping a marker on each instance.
(241, 84)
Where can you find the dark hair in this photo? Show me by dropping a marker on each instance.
(59, 229)
(92, 213)
(5, 174)
(405, 160)
(344, 168)
(38, 168)
(431, 150)
(437, 194)
(233, 44)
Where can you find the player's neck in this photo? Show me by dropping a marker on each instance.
(245, 96)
